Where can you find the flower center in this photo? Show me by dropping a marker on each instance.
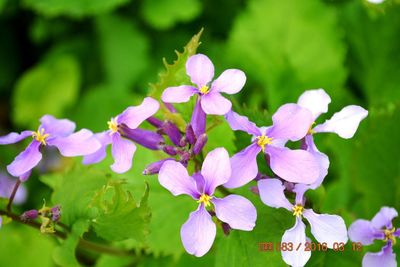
(298, 210)
(389, 235)
(113, 125)
(310, 130)
(40, 136)
(204, 89)
(263, 140)
(204, 198)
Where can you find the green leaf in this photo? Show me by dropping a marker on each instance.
(120, 218)
(163, 14)
(73, 8)
(48, 88)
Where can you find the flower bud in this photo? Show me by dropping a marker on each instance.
(29, 215)
(146, 138)
(170, 150)
(198, 120)
(173, 132)
(226, 228)
(200, 143)
(183, 142)
(56, 213)
(155, 167)
(190, 136)
(155, 122)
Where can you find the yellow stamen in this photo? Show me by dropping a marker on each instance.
(40, 136)
(263, 140)
(310, 130)
(204, 89)
(298, 210)
(204, 198)
(113, 125)
(389, 235)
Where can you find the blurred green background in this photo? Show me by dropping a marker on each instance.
(89, 59)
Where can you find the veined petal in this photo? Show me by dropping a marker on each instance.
(13, 138)
(236, 211)
(122, 151)
(316, 101)
(344, 123)
(214, 103)
(174, 177)
(26, 160)
(230, 81)
(134, 116)
(244, 166)
(56, 127)
(296, 166)
(272, 194)
(200, 69)
(241, 123)
(198, 232)
(384, 218)
(296, 236)
(385, 257)
(105, 139)
(290, 122)
(178, 94)
(326, 228)
(216, 169)
(363, 231)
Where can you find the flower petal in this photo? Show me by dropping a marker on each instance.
(56, 127)
(272, 194)
(216, 169)
(291, 122)
(122, 151)
(344, 123)
(236, 211)
(384, 218)
(198, 232)
(296, 236)
(178, 94)
(241, 123)
(105, 139)
(13, 138)
(363, 231)
(296, 166)
(327, 228)
(215, 104)
(385, 258)
(174, 177)
(244, 166)
(26, 160)
(134, 116)
(316, 101)
(80, 143)
(200, 69)
(230, 81)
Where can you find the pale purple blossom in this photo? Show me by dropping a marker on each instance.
(201, 72)
(327, 229)
(198, 232)
(51, 132)
(6, 187)
(381, 228)
(290, 122)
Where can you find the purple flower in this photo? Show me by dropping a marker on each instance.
(290, 122)
(51, 132)
(327, 229)
(6, 187)
(198, 232)
(123, 149)
(201, 72)
(380, 227)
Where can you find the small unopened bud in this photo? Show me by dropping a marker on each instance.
(154, 167)
(254, 190)
(183, 142)
(173, 132)
(29, 215)
(155, 122)
(200, 143)
(56, 213)
(170, 150)
(190, 136)
(185, 156)
(226, 228)
(146, 138)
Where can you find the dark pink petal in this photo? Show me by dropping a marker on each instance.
(134, 116)
(231, 81)
(384, 218)
(56, 127)
(362, 231)
(290, 122)
(174, 177)
(13, 138)
(241, 123)
(80, 143)
(216, 169)
(198, 232)
(244, 166)
(236, 211)
(214, 103)
(383, 258)
(316, 101)
(296, 166)
(105, 139)
(200, 69)
(26, 160)
(178, 94)
(122, 151)
(272, 194)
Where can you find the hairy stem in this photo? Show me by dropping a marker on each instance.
(14, 192)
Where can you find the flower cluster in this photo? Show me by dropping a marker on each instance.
(295, 170)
